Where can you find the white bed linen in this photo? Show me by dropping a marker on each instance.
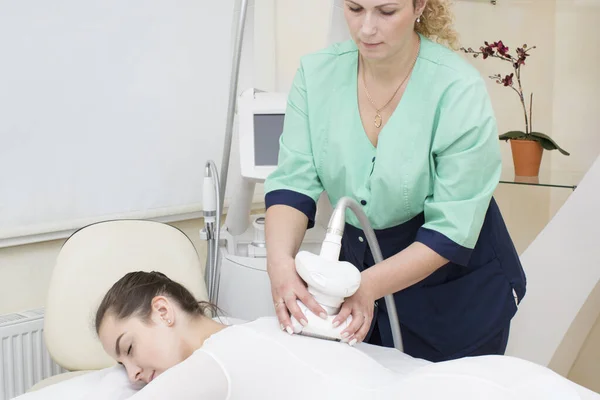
(109, 383)
(257, 360)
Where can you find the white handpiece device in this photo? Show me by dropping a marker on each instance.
(330, 281)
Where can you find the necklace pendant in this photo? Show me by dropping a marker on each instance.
(377, 120)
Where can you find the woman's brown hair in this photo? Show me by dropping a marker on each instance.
(132, 296)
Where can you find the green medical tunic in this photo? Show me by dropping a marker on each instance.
(430, 179)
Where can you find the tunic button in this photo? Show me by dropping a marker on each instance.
(363, 202)
(360, 239)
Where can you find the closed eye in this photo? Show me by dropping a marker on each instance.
(129, 349)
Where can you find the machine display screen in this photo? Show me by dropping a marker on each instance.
(267, 130)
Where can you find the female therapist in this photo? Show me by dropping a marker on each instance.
(403, 125)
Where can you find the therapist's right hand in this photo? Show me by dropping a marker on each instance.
(286, 288)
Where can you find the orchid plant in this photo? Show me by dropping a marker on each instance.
(500, 51)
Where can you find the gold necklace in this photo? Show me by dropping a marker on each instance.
(378, 120)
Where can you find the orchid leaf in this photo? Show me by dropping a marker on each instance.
(547, 142)
(512, 135)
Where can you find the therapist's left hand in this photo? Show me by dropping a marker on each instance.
(361, 306)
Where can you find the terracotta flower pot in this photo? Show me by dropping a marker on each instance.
(527, 157)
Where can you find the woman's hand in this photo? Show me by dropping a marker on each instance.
(361, 306)
(286, 288)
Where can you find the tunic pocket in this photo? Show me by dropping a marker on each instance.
(460, 313)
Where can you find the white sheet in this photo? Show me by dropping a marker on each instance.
(109, 383)
(489, 377)
(470, 378)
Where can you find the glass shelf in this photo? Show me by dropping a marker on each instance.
(547, 178)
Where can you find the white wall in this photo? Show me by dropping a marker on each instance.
(301, 28)
(575, 102)
(88, 86)
(585, 370)
(575, 123)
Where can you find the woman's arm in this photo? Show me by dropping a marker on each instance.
(285, 227)
(291, 194)
(402, 270)
(393, 274)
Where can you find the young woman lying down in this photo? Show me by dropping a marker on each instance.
(162, 336)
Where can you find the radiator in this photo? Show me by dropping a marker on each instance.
(24, 359)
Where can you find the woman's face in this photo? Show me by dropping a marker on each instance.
(145, 349)
(381, 28)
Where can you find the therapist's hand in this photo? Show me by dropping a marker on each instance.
(361, 306)
(286, 288)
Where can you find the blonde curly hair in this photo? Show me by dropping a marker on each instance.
(437, 23)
